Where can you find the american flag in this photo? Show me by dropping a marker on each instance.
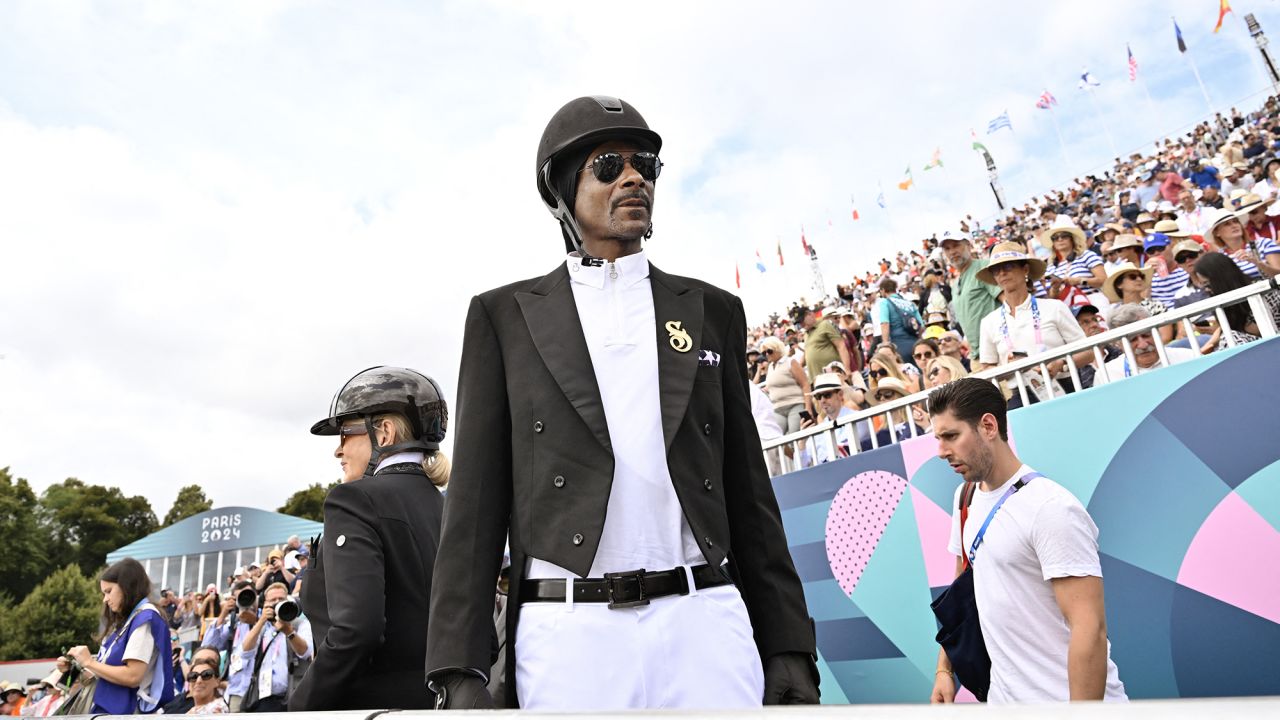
(1046, 99)
(1133, 64)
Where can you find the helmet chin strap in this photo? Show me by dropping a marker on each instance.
(377, 452)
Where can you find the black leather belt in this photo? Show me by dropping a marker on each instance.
(624, 589)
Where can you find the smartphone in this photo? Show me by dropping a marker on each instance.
(804, 415)
(1019, 354)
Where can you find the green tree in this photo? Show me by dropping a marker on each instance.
(88, 521)
(60, 612)
(25, 558)
(308, 503)
(190, 501)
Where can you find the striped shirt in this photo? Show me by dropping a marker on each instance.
(1163, 289)
(1263, 247)
(1082, 266)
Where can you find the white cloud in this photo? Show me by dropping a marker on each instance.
(212, 214)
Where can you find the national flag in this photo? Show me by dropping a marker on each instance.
(936, 161)
(1133, 64)
(737, 276)
(854, 202)
(780, 262)
(880, 196)
(907, 182)
(1177, 31)
(1000, 121)
(1223, 9)
(1087, 80)
(1046, 100)
(759, 261)
(804, 243)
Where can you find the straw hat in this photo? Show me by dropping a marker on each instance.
(1143, 218)
(891, 383)
(1126, 240)
(1170, 228)
(1066, 226)
(1005, 253)
(826, 382)
(1248, 202)
(1124, 268)
(1219, 217)
(1187, 246)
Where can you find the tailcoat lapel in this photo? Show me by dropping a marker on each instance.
(674, 301)
(552, 317)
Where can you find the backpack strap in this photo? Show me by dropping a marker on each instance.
(966, 499)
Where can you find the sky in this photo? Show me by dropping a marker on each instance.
(212, 214)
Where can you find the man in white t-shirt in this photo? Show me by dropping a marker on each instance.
(1036, 574)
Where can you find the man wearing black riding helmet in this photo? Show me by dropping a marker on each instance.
(605, 428)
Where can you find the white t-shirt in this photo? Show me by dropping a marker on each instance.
(1041, 532)
(1058, 327)
(142, 646)
(1120, 368)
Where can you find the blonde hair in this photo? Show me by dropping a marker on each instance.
(952, 365)
(436, 465)
(773, 343)
(885, 359)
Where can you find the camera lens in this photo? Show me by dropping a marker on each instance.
(246, 599)
(288, 610)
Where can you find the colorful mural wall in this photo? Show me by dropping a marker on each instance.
(1180, 469)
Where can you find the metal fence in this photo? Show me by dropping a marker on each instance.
(783, 454)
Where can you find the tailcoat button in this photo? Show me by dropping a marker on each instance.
(537, 426)
(706, 429)
(559, 481)
(577, 539)
(707, 483)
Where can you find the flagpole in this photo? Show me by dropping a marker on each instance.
(1098, 113)
(1195, 71)
(1066, 158)
(1151, 106)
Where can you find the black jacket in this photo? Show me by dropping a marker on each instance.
(532, 458)
(368, 591)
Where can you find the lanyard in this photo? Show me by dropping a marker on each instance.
(1126, 367)
(977, 539)
(1035, 322)
(105, 651)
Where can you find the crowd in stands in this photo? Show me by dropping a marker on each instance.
(1198, 217)
(218, 643)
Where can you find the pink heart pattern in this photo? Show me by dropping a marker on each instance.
(856, 521)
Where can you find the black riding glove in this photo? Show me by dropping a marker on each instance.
(461, 691)
(791, 679)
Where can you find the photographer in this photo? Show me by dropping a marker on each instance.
(275, 572)
(237, 615)
(271, 650)
(133, 668)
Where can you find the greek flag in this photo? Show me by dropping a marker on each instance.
(1087, 80)
(1001, 121)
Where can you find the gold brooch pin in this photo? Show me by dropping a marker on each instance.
(680, 340)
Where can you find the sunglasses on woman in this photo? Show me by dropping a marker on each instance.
(202, 675)
(608, 166)
(924, 355)
(1186, 257)
(883, 395)
(880, 374)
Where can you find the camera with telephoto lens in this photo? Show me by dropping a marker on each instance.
(288, 610)
(247, 599)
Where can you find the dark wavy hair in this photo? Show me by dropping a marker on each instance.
(1223, 276)
(134, 585)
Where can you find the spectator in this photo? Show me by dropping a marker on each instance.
(1255, 259)
(900, 321)
(1170, 185)
(133, 669)
(950, 343)
(49, 698)
(971, 299)
(1258, 224)
(1218, 275)
(888, 390)
(828, 392)
(1190, 218)
(1132, 285)
(924, 351)
(14, 698)
(943, 370)
(1024, 326)
(822, 342)
(1211, 198)
(275, 572)
(1185, 254)
(206, 698)
(1126, 248)
(184, 702)
(1145, 355)
(1071, 263)
(849, 322)
(887, 356)
(787, 386)
(1203, 175)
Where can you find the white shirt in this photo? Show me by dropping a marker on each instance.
(1120, 368)
(821, 443)
(762, 411)
(644, 524)
(1193, 222)
(1041, 532)
(1058, 327)
(410, 456)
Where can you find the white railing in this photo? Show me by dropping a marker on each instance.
(781, 460)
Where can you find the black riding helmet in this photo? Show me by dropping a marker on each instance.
(573, 131)
(384, 389)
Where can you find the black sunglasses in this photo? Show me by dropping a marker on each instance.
(923, 355)
(608, 166)
(202, 675)
(886, 395)
(1185, 257)
(879, 373)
